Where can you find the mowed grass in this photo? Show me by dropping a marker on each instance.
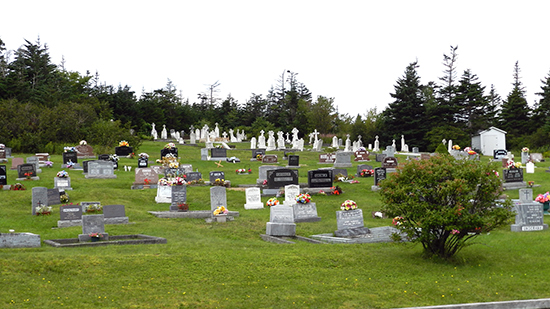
(228, 265)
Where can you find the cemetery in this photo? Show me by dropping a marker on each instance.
(309, 250)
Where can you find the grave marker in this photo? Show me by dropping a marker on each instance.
(92, 224)
(281, 177)
(25, 168)
(281, 221)
(179, 196)
(319, 178)
(253, 199)
(293, 161)
(101, 169)
(39, 197)
(361, 155)
(327, 158)
(54, 196)
(70, 212)
(291, 191)
(216, 175)
(3, 175)
(217, 197)
(269, 159)
(15, 162)
(343, 159)
(513, 175)
(379, 175)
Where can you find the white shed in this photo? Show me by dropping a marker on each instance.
(489, 140)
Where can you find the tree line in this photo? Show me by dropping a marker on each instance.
(43, 106)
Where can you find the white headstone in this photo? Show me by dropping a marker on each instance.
(253, 199)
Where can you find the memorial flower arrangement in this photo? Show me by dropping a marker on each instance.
(397, 221)
(62, 174)
(272, 202)
(348, 205)
(179, 181)
(456, 147)
(123, 144)
(219, 182)
(469, 151)
(146, 181)
(530, 184)
(144, 155)
(169, 146)
(366, 173)
(221, 211)
(543, 198)
(512, 164)
(113, 157)
(259, 157)
(83, 143)
(524, 149)
(243, 171)
(28, 175)
(342, 178)
(336, 190)
(95, 235)
(42, 210)
(321, 192)
(93, 208)
(18, 187)
(70, 164)
(2, 146)
(48, 163)
(64, 198)
(69, 149)
(303, 198)
(164, 182)
(183, 206)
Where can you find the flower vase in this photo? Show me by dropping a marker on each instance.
(545, 207)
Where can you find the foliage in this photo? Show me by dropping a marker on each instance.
(445, 202)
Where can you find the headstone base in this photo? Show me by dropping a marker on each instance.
(514, 185)
(219, 218)
(352, 232)
(32, 178)
(88, 176)
(375, 188)
(141, 187)
(86, 237)
(68, 223)
(253, 205)
(270, 192)
(528, 228)
(116, 220)
(314, 190)
(19, 240)
(163, 199)
(280, 229)
(343, 165)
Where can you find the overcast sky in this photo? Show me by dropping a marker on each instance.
(352, 51)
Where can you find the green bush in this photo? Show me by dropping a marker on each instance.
(442, 203)
(441, 149)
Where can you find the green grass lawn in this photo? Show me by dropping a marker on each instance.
(228, 265)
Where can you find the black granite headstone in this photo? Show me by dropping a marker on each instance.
(319, 178)
(70, 156)
(513, 175)
(218, 152)
(143, 162)
(256, 152)
(3, 175)
(281, 177)
(379, 175)
(216, 175)
(193, 176)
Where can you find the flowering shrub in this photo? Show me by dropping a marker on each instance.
(348, 205)
(272, 202)
(303, 198)
(444, 202)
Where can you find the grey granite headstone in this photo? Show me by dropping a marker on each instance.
(216, 175)
(262, 172)
(92, 224)
(179, 196)
(343, 159)
(101, 169)
(305, 212)
(291, 191)
(70, 212)
(193, 176)
(529, 217)
(22, 169)
(114, 211)
(34, 160)
(217, 197)
(350, 223)
(19, 240)
(39, 197)
(63, 183)
(281, 222)
(54, 197)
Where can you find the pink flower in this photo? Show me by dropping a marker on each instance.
(454, 232)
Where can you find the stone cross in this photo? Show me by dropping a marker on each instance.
(224, 134)
(315, 133)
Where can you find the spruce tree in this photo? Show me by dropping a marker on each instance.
(514, 117)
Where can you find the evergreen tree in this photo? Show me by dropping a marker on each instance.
(446, 108)
(514, 117)
(541, 114)
(475, 109)
(407, 114)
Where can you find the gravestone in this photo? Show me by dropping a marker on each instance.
(380, 157)
(165, 151)
(179, 196)
(537, 157)
(84, 152)
(42, 158)
(104, 157)
(256, 152)
(8, 153)
(343, 159)
(390, 164)
(379, 175)
(143, 162)
(15, 162)
(36, 162)
(187, 168)
(70, 212)
(145, 173)
(204, 154)
(218, 153)
(293, 161)
(3, 155)
(361, 167)
(415, 150)
(269, 159)
(513, 175)
(305, 212)
(62, 183)
(361, 155)
(25, 168)
(425, 156)
(193, 176)
(123, 151)
(498, 154)
(3, 175)
(262, 173)
(70, 156)
(253, 199)
(279, 178)
(85, 166)
(216, 175)
(164, 194)
(339, 171)
(114, 214)
(217, 197)
(39, 197)
(530, 168)
(281, 221)
(350, 223)
(291, 191)
(84, 205)
(525, 157)
(319, 178)
(54, 196)
(174, 172)
(92, 224)
(101, 169)
(327, 158)
(529, 214)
